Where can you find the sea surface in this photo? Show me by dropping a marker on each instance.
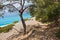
(10, 17)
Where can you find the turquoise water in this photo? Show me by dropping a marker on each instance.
(11, 17)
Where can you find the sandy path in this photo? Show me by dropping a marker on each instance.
(18, 27)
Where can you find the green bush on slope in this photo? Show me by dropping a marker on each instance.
(7, 28)
(58, 34)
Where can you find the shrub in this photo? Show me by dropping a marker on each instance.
(15, 22)
(6, 28)
(58, 34)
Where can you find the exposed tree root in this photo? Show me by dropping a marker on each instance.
(26, 35)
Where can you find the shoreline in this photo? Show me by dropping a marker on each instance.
(4, 25)
(7, 24)
(30, 19)
(13, 22)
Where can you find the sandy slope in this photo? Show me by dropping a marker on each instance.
(18, 27)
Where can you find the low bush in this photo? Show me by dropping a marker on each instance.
(58, 34)
(6, 28)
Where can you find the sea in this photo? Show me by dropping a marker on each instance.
(10, 17)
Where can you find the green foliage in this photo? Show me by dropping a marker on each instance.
(54, 13)
(58, 34)
(45, 10)
(39, 11)
(15, 22)
(6, 28)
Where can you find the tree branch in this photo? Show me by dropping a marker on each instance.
(22, 5)
(26, 8)
(26, 35)
(15, 3)
(11, 5)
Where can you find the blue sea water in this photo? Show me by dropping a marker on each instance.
(9, 18)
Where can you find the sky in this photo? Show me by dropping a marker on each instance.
(17, 5)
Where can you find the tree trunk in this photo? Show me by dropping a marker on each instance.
(23, 23)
